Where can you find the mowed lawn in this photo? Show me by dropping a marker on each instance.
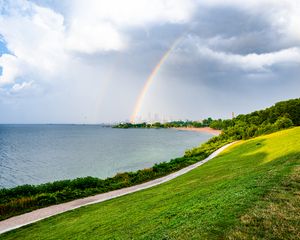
(250, 191)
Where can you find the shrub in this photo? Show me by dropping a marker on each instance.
(283, 122)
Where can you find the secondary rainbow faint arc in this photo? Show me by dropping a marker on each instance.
(150, 79)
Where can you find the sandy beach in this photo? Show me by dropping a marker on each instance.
(204, 129)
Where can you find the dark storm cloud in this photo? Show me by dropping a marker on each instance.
(237, 30)
(235, 85)
(233, 57)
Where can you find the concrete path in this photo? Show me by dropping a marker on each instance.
(39, 214)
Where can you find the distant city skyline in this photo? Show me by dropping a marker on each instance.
(156, 117)
(97, 61)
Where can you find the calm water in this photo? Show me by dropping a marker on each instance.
(32, 154)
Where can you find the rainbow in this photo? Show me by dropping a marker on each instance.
(150, 79)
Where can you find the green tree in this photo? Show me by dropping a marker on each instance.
(283, 122)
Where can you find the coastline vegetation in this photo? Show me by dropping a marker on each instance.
(26, 198)
(172, 124)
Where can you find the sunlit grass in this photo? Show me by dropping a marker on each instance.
(275, 216)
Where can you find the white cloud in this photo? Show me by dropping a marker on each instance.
(10, 69)
(98, 25)
(286, 20)
(21, 86)
(133, 12)
(257, 62)
(41, 39)
(90, 38)
(34, 37)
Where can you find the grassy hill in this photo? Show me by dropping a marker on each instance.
(250, 191)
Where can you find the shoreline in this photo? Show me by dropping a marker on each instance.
(46, 212)
(202, 129)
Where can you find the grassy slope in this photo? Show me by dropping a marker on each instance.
(228, 197)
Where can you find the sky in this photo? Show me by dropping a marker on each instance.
(87, 61)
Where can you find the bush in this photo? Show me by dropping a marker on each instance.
(283, 122)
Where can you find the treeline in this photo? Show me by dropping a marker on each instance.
(25, 198)
(282, 115)
(173, 124)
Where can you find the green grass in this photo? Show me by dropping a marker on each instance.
(249, 191)
(276, 216)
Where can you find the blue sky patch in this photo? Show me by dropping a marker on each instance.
(3, 48)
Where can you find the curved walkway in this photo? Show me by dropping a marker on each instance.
(39, 214)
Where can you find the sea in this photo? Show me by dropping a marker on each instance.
(35, 154)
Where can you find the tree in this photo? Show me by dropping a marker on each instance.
(283, 122)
